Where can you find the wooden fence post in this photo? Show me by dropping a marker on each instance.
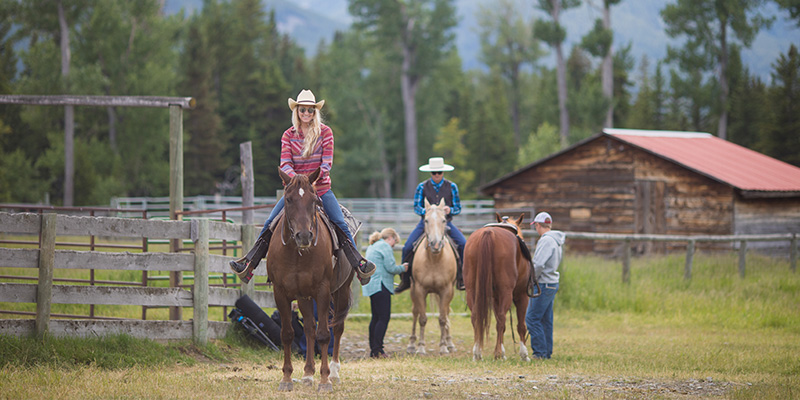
(200, 293)
(175, 190)
(248, 181)
(626, 262)
(793, 253)
(742, 257)
(44, 291)
(687, 270)
(248, 239)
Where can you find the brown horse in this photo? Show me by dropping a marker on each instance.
(434, 272)
(301, 268)
(495, 275)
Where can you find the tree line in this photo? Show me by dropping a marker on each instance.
(395, 89)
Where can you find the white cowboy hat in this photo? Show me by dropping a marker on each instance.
(306, 97)
(436, 164)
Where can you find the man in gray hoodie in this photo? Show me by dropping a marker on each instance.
(546, 259)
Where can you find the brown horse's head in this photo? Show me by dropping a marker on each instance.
(516, 222)
(300, 204)
(435, 225)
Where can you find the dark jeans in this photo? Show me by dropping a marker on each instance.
(331, 206)
(381, 305)
(539, 320)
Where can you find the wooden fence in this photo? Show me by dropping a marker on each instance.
(47, 258)
(691, 241)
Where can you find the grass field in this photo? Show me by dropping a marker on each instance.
(716, 336)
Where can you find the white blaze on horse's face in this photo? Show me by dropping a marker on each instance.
(435, 227)
(301, 192)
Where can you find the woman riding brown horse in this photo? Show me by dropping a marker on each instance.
(300, 267)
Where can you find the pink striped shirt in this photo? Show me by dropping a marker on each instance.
(293, 162)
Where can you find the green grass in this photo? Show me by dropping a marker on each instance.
(659, 328)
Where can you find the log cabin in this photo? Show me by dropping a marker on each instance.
(656, 182)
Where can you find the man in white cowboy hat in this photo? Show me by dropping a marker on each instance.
(434, 190)
(306, 146)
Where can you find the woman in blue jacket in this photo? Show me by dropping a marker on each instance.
(381, 286)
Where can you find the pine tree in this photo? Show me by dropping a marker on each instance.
(782, 137)
(203, 151)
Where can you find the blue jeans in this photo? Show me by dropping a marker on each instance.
(539, 320)
(453, 232)
(331, 206)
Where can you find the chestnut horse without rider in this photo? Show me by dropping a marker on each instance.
(300, 267)
(496, 275)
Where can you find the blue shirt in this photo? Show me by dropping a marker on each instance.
(419, 198)
(382, 255)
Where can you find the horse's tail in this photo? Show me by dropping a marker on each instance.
(340, 306)
(484, 285)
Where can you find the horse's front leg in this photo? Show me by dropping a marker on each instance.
(309, 328)
(418, 306)
(445, 340)
(287, 335)
(324, 338)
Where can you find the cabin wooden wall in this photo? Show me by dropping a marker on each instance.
(762, 216)
(609, 186)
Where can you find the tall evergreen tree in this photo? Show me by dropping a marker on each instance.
(204, 166)
(419, 33)
(507, 43)
(782, 137)
(709, 26)
(552, 33)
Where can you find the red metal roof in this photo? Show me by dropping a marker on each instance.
(716, 158)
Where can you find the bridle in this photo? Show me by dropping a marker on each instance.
(314, 224)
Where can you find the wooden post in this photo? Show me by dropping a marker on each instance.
(626, 261)
(175, 190)
(793, 253)
(200, 293)
(248, 239)
(687, 270)
(248, 185)
(742, 257)
(44, 291)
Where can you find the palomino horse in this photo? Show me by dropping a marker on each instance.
(301, 268)
(495, 274)
(434, 272)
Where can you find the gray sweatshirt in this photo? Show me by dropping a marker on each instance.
(547, 256)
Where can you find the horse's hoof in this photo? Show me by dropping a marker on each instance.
(335, 380)
(421, 351)
(411, 350)
(307, 380)
(476, 357)
(526, 359)
(451, 349)
(325, 388)
(285, 387)
(443, 350)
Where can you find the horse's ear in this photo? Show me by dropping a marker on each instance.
(427, 203)
(498, 217)
(441, 202)
(284, 177)
(314, 176)
(521, 218)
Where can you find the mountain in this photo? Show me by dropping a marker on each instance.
(634, 22)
